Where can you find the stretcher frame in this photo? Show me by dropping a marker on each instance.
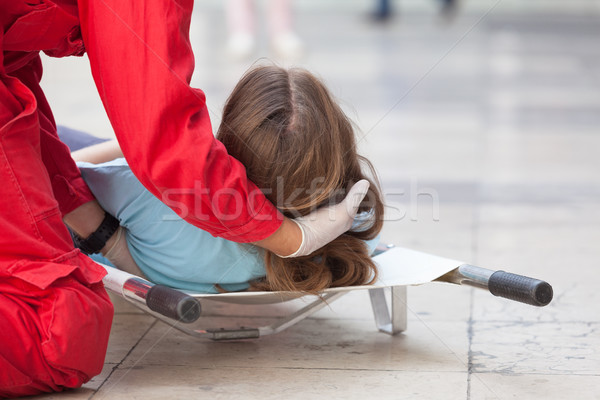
(183, 310)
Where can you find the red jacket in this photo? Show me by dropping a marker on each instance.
(142, 63)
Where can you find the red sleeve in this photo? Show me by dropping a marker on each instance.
(142, 64)
(69, 188)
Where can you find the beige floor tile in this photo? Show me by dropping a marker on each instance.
(540, 236)
(75, 394)
(126, 330)
(556, 243)
(98, 380)
(486, 307)
(540, 247)
(86, 391)
(534, 387)
(445, 230)
(430, 302)
(415, 145)
(545, 214)
(518, 157)
(123, 306)
(219, 308)
(574, 302)
(540, 348)
(337, 344)
(252, 382)
(440, 302)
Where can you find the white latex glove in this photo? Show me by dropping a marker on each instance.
(327, 223)
(119, 254)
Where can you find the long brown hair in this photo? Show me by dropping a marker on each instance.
(299, 148)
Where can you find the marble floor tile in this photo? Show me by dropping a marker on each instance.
(549, 242)
(439, 302)
(126, 330)
(425, 222)
(219, 308)
(75, 394)
(86, 391)
(155, 382)
(314, 343)
(519, 157)
(570, 305)
(123, 306)
(518, 347)
(534, 387)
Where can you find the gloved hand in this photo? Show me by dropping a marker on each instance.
(327, 223)
(118, 254)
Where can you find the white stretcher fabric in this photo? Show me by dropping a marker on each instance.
(397, 267)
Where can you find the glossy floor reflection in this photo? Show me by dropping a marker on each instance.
(485, 131)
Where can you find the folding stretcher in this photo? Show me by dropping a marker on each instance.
(398, 267)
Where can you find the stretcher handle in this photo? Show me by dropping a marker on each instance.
(503, 284)
(147, 295)
(173, 303)
(520, 288)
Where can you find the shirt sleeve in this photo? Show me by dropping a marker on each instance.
(142, 63)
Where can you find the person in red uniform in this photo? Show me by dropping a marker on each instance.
(55, 315)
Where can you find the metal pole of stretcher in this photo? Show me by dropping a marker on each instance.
(503, 284)
(158, 298)
(499, 283)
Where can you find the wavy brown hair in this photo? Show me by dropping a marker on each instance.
(299, 148)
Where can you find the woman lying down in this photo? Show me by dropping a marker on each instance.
(299, 148)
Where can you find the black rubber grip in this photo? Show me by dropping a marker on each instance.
(520, 288)
(173, 304)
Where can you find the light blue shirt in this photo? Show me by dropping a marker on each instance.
(169, 250)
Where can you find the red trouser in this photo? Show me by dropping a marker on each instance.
(55, 315)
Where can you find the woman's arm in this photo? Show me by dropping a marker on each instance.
(286, 240)
(98, 153)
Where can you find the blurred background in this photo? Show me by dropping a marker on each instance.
(483, 122)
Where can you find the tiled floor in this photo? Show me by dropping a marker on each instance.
(486, 133)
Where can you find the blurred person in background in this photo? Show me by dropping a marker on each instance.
(241, 20)
(383, 9)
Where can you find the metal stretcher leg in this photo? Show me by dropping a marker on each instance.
(301, 314)
(281, 324)
(388, 322)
